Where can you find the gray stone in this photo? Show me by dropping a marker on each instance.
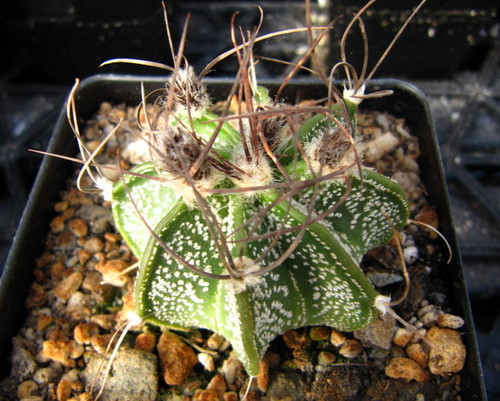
(382, 279)
(133, 376)
(339, 383)
(379, 333)
(288, 386)
(23, 360)
(99, 216)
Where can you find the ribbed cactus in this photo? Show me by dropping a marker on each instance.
(265, 231)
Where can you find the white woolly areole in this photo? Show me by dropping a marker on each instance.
(382, 303)
(185, 74)
(257, 174)
(186, 191)
(245, 266)
(354, 96)
(133, 319)
(106, 187)
(345, 163)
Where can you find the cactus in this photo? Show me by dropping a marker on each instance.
(254, 221)
(251, 249)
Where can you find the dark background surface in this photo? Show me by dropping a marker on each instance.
(451, 51)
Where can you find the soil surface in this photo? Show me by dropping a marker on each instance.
(79, 299)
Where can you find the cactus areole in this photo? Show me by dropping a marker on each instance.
(254, 222)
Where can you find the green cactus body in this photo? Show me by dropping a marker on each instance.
(228, 139)
(143, 191)
(318, 283)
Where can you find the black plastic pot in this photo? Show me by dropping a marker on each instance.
(407, 102)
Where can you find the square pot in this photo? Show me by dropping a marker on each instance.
(406, 102)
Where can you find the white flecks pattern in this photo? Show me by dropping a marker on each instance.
(320, 283)
(366, 219)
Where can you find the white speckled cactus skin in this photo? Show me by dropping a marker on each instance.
(268, 234)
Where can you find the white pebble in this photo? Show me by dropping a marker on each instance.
(408, 180)
(231, 367)
(207, 361)
(410, 254)
(137, 152)
(375, 149)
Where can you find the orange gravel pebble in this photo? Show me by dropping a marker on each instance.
(406, 369)
(78, 227)
(176, 358)
(57, 224)
(145, 342)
